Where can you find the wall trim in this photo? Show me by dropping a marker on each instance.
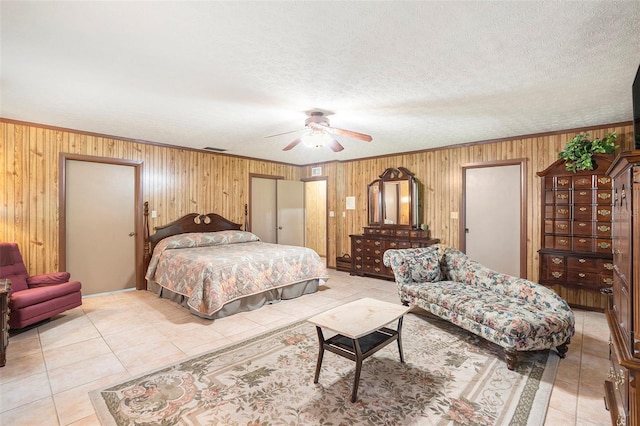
(462, 145)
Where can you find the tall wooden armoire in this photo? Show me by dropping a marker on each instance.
(575, 257)
(623, 317)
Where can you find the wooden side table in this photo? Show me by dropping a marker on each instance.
(5, 289)
(361, 332)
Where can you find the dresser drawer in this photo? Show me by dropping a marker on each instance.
(583, 228)
(583, 213)
(557, 197)
(559, 181)
(603, 245)
(582, 182)
(373, 244)
(583, 264)
(606, 280)
(558, 227)
(589, 279)
(558, 243)
(403, 232)
(603, 213)
(582, 196)
(605, 266)
(557, 212)
(552, 261)
(556, 276)
(603, 182)
(373, 251)
(603, 229)
(372, 260)
(583, 243)
(394, 245)
(604, 196)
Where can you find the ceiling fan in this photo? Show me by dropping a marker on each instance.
(319, 133)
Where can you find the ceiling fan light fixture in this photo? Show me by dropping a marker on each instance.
(319, 134)
(316, 139)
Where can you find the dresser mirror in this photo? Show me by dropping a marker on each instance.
(393, 199)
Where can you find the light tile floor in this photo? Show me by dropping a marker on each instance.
(51, 368)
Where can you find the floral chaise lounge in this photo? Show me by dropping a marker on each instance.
(517, 314)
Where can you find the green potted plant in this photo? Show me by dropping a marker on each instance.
(579, 150)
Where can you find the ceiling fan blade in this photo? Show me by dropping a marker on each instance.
(292, 145)
(349, 133)
(285, 133)
(335, 146)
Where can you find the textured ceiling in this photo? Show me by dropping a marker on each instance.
(414, 75)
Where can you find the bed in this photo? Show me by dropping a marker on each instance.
(215, 269)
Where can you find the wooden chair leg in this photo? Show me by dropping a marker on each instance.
(511, 358)
(563, 348)
(320, 355)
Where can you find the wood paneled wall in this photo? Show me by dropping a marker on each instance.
(440, 173)
(180, 181)
(175, 182)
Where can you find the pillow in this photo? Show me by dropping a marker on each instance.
(48, 279)
(425, 266)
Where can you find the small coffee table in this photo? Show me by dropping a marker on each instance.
(361, 332)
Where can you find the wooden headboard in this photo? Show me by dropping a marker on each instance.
(192, 222)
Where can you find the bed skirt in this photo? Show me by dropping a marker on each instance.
(248, 303)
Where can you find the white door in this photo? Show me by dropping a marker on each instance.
(100, 225)
(492, 221)
(263, 209)
(290, 203)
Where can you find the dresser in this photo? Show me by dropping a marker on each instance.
(623, 316)
(368, 248)
(576, 254)
(5, 290)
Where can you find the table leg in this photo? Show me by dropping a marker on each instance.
(356, 380)
(320, 354)
(400, 340)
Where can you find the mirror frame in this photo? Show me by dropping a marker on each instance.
(376, 208)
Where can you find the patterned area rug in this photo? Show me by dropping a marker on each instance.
(450, 377)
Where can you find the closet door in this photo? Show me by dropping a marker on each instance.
(277, 210)
(290, 212)
(263, 209)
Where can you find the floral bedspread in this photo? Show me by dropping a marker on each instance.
(215, 268)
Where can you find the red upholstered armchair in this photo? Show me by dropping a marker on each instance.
(39, 297)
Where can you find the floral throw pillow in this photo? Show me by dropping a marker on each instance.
(425, 266)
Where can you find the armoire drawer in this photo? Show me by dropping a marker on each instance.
(583, 264)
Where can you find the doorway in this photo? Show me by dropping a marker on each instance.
(493, 225)
(315, 209)
(100, 222)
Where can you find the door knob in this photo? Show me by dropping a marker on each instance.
(131, 234)
(280, 227)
